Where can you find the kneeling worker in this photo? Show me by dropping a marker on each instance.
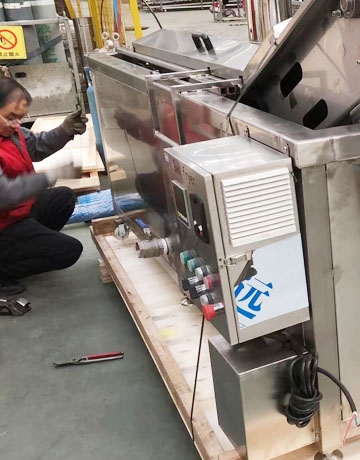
(31, 214)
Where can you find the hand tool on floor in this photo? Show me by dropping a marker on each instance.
(14, 307)
(91, 359)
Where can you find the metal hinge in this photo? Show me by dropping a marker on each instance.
(236, 258)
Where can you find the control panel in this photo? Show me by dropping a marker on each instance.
(234, 218)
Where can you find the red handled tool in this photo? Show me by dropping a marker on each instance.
(91, 359)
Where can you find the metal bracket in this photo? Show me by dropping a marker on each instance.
(154, 82)
(236, 258)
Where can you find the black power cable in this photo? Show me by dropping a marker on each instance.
(152, 12)
(304, 394)
(195, 380)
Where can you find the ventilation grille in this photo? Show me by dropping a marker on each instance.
(259, 206)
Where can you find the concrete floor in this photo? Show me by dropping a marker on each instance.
(114, 410)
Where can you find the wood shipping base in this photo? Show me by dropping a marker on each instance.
(171, 333)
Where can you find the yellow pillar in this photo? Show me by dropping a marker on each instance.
(136, 18)
(95, 16)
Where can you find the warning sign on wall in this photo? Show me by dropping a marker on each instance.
(12, 43)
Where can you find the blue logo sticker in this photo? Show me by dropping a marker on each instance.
(249, 296)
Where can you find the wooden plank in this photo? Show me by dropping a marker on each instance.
(300, 454)
(104, 274)
(88, 183)
(83, 146)
(105, 226)
(230, 455)
(205, 439)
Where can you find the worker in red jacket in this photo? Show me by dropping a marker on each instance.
(31, 213)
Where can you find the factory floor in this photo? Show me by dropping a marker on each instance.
(111, 410)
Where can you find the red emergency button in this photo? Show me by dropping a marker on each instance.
(209, 312)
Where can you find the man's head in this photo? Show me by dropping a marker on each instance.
(14, 104)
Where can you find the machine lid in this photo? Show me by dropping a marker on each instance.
(228, 154)
(226, 58)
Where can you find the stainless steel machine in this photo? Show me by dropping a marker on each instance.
(245, 163)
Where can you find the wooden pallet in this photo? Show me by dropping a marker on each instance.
(171, 333)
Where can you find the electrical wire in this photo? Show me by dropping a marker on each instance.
(354, 416)
(228, 115)
(195, 380)
(341, 386)
(304, 395)
(152, 12)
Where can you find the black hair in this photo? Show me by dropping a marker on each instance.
(11, 90)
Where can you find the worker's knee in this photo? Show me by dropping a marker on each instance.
(75, 251)
(65, 195)
(71, 251)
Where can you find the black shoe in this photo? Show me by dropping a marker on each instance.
(11, 288)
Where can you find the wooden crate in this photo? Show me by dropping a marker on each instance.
(171, 333)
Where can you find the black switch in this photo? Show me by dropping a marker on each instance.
(199, 218)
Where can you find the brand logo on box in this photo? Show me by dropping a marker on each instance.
(250, 295)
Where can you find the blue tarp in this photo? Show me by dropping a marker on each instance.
(100, 204)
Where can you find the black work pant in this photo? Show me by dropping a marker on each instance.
(35, 245)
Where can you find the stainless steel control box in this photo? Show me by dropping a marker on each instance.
(252, 387)
(236, 237)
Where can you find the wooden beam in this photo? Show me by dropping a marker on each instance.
(104, 226)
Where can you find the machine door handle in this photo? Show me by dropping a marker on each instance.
(197, 41)
(207, 42)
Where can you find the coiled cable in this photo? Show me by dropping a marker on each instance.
(304, 396)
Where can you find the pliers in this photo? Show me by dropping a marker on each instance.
(91, 359)
(14, 307)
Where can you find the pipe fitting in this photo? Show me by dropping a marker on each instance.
(152, 248)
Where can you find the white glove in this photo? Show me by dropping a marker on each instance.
(62, 167)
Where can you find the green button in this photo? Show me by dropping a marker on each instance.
(187, 255)
(194, 263)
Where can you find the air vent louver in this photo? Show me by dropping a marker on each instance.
(259, 206)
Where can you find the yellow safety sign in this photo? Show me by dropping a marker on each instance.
(12, 43)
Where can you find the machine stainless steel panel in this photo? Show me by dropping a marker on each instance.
(127, 129)
(310, 74)
(343, 183)
(251, 385)
(131, 149)
(225, 58)
(51, 87)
